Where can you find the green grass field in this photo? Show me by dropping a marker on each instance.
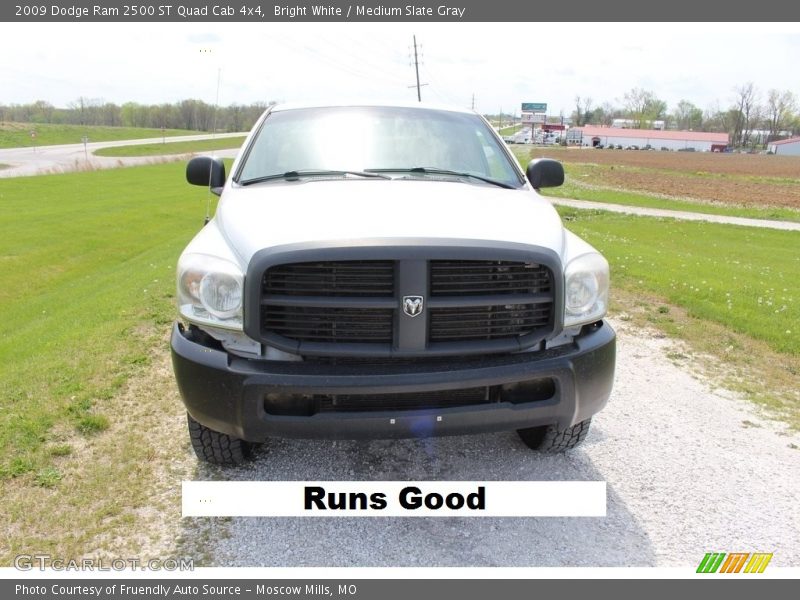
(172, 147)
(510, 130)
(86, 286)
(18, 135)
(732, 293)
(744, 278)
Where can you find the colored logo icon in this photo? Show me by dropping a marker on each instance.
(735, 562)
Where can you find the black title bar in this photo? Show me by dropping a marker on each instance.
(731, 588)
(393, 10)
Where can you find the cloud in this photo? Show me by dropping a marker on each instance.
(315, 61)
(203, 38)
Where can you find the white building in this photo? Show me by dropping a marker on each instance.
(790, 147)
(699, 141)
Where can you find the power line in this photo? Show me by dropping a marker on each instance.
(439, 85)
(370, 68)
(351, 67)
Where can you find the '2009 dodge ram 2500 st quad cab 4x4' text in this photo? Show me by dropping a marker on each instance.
(386, 272)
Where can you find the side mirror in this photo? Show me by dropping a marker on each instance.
(545, 172)
(206, 171)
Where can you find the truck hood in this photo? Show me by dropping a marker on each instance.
(273, 214)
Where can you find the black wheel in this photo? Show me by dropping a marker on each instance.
(217, 448)
(552, 439)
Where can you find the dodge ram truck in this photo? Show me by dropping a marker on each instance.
(386, 271)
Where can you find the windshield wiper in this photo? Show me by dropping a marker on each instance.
(295, 175)
(437, 171)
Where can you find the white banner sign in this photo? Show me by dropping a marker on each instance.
(394, 498)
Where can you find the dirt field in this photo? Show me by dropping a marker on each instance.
(742, 179)
(758, 165)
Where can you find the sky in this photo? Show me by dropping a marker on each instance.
(501, 64)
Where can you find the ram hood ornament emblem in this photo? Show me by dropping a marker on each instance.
(412, 305)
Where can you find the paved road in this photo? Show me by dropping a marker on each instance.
(677, 214)
(72, 157)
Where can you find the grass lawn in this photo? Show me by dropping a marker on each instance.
(172, 147)
(18, 135)
(510, 130)
(87, 287)
(739, 282)
(87, 281)
(742, 277)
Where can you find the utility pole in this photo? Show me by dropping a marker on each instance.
(416, 68)
(473, 100)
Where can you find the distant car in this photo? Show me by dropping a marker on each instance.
(522, 137)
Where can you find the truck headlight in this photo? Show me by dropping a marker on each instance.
(585, 290)
(210, 291)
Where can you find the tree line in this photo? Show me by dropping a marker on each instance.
(194, 115)
(751, 119)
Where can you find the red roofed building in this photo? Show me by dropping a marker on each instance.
(699, 141)
(790, 147)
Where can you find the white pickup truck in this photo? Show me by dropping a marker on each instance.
(386, 271)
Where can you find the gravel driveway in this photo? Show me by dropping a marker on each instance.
(689, 470)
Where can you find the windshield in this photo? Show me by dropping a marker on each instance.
(377, 139)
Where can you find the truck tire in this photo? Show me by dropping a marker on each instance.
(217, 448)
(552, 439)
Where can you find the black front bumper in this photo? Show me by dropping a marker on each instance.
(226, 393)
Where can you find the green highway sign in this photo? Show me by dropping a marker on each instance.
(534, 106)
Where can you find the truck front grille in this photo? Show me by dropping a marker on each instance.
(487, 322)
(343, 278)
(328, 324)
(306, 405)
(468, 306)
(485, 277)
(365, 402)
